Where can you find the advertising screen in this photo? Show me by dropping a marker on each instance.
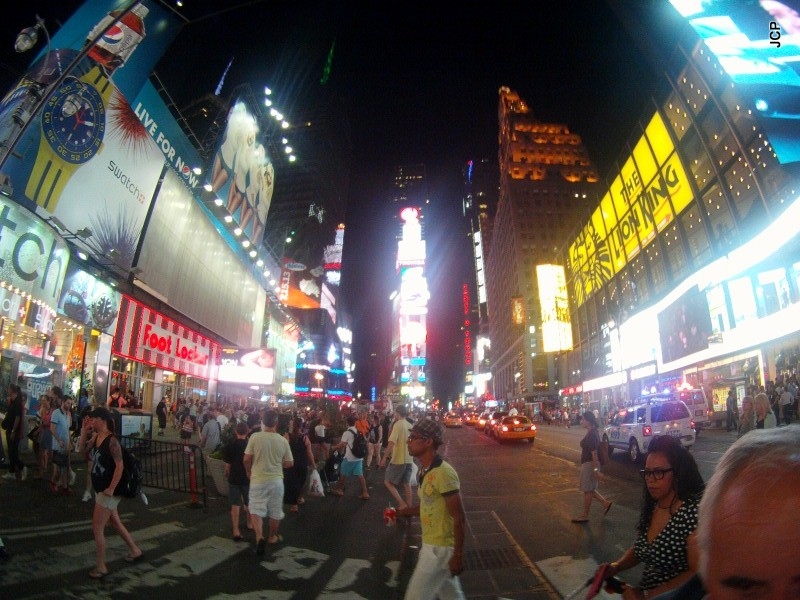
(758, 45)
(251, 366)
(649, 192)
(684, 326)
(89, 300)
(556, 327)
(241, 173)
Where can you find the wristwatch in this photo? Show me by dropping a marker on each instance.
(73, 126)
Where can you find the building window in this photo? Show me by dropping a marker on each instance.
(699, 161)
(720, 219)
(718, 136)
(657, 269)
(677, 116)
(745, 197)
(676, 257)
(694, 90)
(696, 237)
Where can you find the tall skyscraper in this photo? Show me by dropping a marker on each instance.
(547, 183)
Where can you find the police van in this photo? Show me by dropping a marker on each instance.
(694, 399)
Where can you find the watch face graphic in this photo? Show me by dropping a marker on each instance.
(74, 121)
(103, 312)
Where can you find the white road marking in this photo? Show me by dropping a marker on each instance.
(338, 585)
(569, 576)
(290, 562)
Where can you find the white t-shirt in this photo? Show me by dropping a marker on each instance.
(222, 420)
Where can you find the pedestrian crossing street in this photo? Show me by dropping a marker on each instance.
(287, 563)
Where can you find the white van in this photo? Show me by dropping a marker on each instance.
(694, 399)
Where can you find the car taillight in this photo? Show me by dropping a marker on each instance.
(647, 430)
(504, 428)
(533, 427)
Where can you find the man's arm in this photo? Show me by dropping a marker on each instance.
(387, 454)
(456, 510)
(248, 464)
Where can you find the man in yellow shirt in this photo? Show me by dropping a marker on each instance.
(441, 516)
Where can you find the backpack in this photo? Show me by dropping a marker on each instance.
(359, 447)
(130, 484)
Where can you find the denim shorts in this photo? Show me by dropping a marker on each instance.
(238, 494)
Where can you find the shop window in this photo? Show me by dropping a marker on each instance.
(718, 309)
(696, 237)
(743, 300)
(772, 291)
(720, 219)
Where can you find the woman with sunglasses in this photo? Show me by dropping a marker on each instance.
(673, 487)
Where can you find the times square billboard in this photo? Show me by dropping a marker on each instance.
(758, 46)
(79, 156)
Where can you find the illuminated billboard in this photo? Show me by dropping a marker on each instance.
(411, 247)
(556, 327)
(241, 174)
(88, 300)
(414, 292)
(480, 276)
(684, 326)
(517, 311)
(648, 193)
(300, 286)
(757, 45)
(251, 366)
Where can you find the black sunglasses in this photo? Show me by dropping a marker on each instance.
(657, 474)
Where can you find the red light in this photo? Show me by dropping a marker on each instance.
(647, 430)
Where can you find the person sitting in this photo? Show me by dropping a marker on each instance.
(672, 492)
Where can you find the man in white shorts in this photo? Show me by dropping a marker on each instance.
(266, 456)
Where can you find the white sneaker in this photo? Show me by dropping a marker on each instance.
(72, 476)
(9, 475)
(24, 473)
(87, 495)
(143, 498)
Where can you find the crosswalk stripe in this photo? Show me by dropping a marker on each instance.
(569, 576)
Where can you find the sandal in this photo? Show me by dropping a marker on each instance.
(95, 574)
(364, 497)
(275, 540)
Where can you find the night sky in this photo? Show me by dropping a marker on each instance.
(420, 82)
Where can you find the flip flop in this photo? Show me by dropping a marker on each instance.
(133, 559)
(580, 520)
(276, 540)
(364, 497)
(95, 574)
(608, 508)
(237, 538)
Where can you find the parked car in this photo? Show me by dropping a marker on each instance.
(632, 428)
(517, 427)
(452, 420)
(493, 420)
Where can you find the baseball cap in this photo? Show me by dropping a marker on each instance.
(429, 429)
(101, 413)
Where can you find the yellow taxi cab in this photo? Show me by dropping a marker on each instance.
(471, 418)
(452, 420)
(517, 427)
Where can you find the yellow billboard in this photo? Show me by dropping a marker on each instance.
(647, 194)
(556, 327)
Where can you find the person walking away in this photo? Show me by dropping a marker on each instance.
(375, 441)
(295, 476)
(352, 466)
(747, 420)
(590, 468)
(398, 472)
(266, 455)
(442, 518)
(785, 403)
(765, 418)
(161, 414)
(731, 411)
(59, 427)
(672, 491)
(211, 434)
(238, 482)
(14, 425)
(187, 426)
(107, 470)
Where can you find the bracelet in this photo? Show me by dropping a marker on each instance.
(614, 565)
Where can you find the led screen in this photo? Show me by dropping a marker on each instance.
(252, 366)
(758, 45)
(556, 327)
(684, 326)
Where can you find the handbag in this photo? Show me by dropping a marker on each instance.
(315, 485)
(33, 434)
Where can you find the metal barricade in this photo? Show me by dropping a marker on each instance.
(172, 466)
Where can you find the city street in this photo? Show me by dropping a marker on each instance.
(520, 542)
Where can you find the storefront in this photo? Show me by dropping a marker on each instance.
(154, 357)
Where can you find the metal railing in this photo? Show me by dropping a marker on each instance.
(172, 466)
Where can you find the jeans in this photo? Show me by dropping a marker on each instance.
(14, 464)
